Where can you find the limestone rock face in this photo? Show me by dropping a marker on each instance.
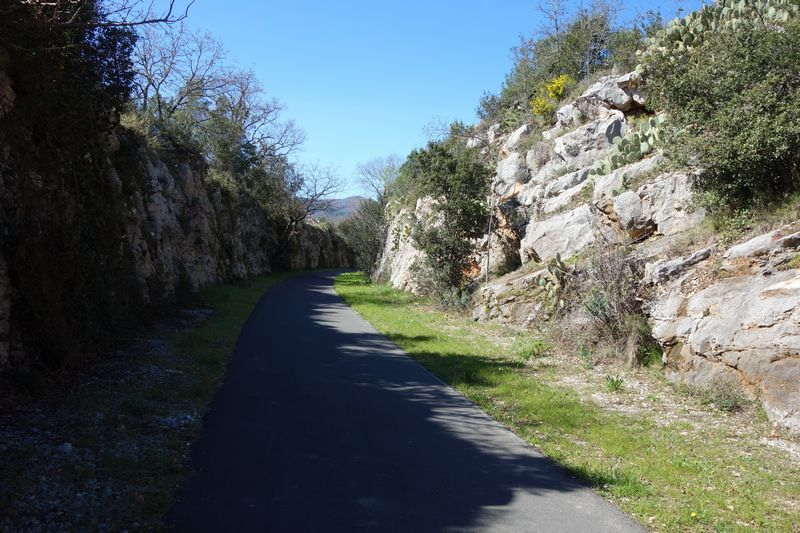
(617, 92)
(744, 326)
(507, 299)
(510, 171)
(515, 138)
(608, 186)
(564, 234)
(669, 204)
(732, 315)
(662, 271)
(399, 254)
(756, 246)
(314, 247)
(583, 146)
(664, 206)
(183, 232)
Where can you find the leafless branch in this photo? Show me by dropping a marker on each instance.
(115, 13)
(317, 187)
(376, 175)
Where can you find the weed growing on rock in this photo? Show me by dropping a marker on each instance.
(614, 383)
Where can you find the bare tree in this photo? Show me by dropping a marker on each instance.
(240, 100)
(176, 68)
(376, 175)
(316, 185)
(179, 72)
(108, 13)
(554, 13)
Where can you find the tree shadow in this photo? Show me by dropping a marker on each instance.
(324, 425)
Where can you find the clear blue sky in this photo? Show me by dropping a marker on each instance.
(363, 78)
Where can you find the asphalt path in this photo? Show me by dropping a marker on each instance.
(324, 425)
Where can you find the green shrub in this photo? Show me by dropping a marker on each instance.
(531, 348)
(585, 42)
(614, 383)
(587, 357)
(732, 93)
(610, 293)
(457, 182)
(364, 232)
(724, 393)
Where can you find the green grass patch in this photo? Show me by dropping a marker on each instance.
(672, 476)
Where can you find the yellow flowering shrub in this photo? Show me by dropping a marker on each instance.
(549, 94)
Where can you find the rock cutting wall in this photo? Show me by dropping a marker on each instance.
(733, 315)
(718, 314)
(182, 231)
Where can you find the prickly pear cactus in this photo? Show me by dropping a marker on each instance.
(683, 34)
(632, 147)
(553, 282)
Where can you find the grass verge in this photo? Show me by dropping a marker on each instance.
(671, 475)
(108, 451)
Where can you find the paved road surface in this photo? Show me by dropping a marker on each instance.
(324, 425)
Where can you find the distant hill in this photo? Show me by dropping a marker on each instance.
(340, 208)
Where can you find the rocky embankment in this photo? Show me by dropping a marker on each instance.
(181, 231)
(718, 313)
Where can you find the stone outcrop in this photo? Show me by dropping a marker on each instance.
(186, 230)
(734, 316)
(399, 255)
(720, 315)
(180, 230)
(564, 234)
(510, 299)
(565, 210)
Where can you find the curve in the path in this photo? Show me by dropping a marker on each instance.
(324, 425)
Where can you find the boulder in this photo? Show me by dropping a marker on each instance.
(569, 115)
(564, 234)
(510, 171)
(583, 146)
(564, 198)
(566, 182)
(763, 244)
(747, 327)
(538, 156)
(530, 194)
(669, 203)
(616, 92)
(493, 133)
(608, 186)
(663, 206)
(631, 216)
(661, 271)
(516, 138)
(510, 299)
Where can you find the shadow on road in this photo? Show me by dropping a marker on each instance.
(323, 425)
